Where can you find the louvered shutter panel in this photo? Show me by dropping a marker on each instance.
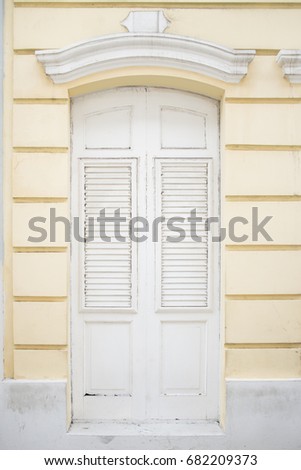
(108, 265)
(184, 264)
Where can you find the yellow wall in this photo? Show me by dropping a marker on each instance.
(261, 166)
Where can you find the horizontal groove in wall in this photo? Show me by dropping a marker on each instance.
(25, 51)
(24, 200)
(262, 345)
(40, 249)
(263, 247)
(41, 149)
(41, 347)
(164, 4)
(275, 148)
(267, 52)
(39, 299)
(263, 297)
(262, 198)
(41, 101)
(242, 100)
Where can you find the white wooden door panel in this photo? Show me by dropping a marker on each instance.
(103, 376)
(183, 358)
(183, 126)
(145, 321)
(172, 122)
(100, 129)
(111, 125)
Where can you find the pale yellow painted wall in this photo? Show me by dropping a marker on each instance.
(234, 28)
(22, 213)
(40, 323)
(40, 175)
(261, 166)
(284, 228)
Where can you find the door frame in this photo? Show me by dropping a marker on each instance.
(216, 189)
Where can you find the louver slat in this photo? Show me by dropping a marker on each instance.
(184, 264)
(108, 265)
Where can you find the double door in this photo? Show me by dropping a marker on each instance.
(145, 283)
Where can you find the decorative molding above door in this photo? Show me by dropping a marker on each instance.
(145, 45)
(153, 21)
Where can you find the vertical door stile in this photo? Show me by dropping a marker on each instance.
(139, 321)
(153, 340)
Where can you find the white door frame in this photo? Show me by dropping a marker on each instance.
(74, 257)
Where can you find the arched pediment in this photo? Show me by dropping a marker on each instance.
(145, 49)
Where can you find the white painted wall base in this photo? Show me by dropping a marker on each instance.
(260, 415)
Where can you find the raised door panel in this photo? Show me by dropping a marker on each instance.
(108, 359)
(183, 358)
(182, 129)
(100, 129)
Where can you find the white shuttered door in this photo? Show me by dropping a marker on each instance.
(145, 314)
